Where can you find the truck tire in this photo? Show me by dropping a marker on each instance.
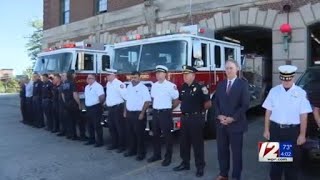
(210, 124)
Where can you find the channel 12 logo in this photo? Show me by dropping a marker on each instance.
(275, 152)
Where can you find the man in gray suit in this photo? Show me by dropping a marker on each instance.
(231, 103)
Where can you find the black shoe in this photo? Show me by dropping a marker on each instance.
(182, 167)
(153, 159)
(166, 162)
(60, 134)
(74, 138)
(140, 157)
(84, 138)
(199, 172)
(111, 147)
(89, 143)
(121, 150)
(98, 145)
(54, 131)
(129, 154)
(68, 137)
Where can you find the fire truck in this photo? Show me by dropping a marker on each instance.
(84, 58)
(193, 46)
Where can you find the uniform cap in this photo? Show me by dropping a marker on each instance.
(161, 68)
(188, 69)
(287, 72)
(111, 71)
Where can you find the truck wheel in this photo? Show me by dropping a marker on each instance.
(210, 125)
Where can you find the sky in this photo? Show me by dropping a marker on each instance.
(14, 18)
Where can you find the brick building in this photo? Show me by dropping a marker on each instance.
(6, 73)
(255, 22)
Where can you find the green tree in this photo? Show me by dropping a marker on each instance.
(34, 40)
(28, 72)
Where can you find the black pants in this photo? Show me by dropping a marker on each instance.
(71, 122)
(37, 111)
(117, 126)
(290, 170)
(162, 122)
(29, 111)
(47, 109)
(94, 116)
(191, 133)
(55, 117)
(23, 109)
(81, 122)
(225, 139)
(135, 132)
(63, 118)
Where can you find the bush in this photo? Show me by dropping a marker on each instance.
(12, 86)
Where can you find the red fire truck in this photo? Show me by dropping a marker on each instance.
(82, 57)
(191, 46)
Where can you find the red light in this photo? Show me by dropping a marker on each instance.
(201, 30)
(138, 36)
(71, 45)
(285, 28)
(178, 124)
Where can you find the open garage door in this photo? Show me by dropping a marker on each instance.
(257, 55)
(314, 45)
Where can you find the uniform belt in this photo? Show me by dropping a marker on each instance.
(93, 106)
(192, 113)
(114, 106)
(282, 126)
(133, 111)
(161, 110)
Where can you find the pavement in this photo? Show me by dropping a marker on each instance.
(27, 153)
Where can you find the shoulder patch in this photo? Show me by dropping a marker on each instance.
(121, 86)
(175, 87)
(205, 90)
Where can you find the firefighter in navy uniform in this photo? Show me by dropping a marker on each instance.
(46, 92)
(195, 100)
(286, 124)
(61, 109)
(36, 102)
(56, 115)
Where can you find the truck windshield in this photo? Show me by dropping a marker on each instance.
(172, 54)
(310, 77)
(55, 63)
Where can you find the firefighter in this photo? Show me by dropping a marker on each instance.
(62, 111)
(287, 109)
(137, 103)
(36, 101)
(116, 92)
(46, 92)
(94, 99)
(195, 100)
(28, 105)
(56, 115)
(165, 98)
(71, 100)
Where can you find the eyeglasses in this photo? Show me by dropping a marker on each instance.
(90, 78)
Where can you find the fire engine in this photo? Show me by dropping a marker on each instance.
(82, 57)
(193, 46)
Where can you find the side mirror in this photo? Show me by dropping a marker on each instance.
(197, 50)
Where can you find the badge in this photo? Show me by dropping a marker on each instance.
(194, 89)
(204, 90)
(175, 87)
(121, 86)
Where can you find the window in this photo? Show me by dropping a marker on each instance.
(65, 11)
(102, 6)
(105, 62)
(126, 59)
(229, 53)
(217, 56)
(54, 63)
(85, 62)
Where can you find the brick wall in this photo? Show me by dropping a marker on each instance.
(51, 13)
(114, 5)
(81, 9)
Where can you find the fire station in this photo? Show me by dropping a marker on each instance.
(276, 32)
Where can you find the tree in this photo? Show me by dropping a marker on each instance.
(28, 72)
(34, 40)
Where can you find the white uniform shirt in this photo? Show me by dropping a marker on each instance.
(136, 97)
(163, 94)
(286, 106)
(92, 93)
(116, 93)
(29, 89)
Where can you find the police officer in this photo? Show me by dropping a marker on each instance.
(46, 92)
(116, 92)
(287, 108)
(37, 101)
(137, 103)
(71, 100)
(195, 100)
(94, 99)
(56, 115)
(165, 98)
(28, 102)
